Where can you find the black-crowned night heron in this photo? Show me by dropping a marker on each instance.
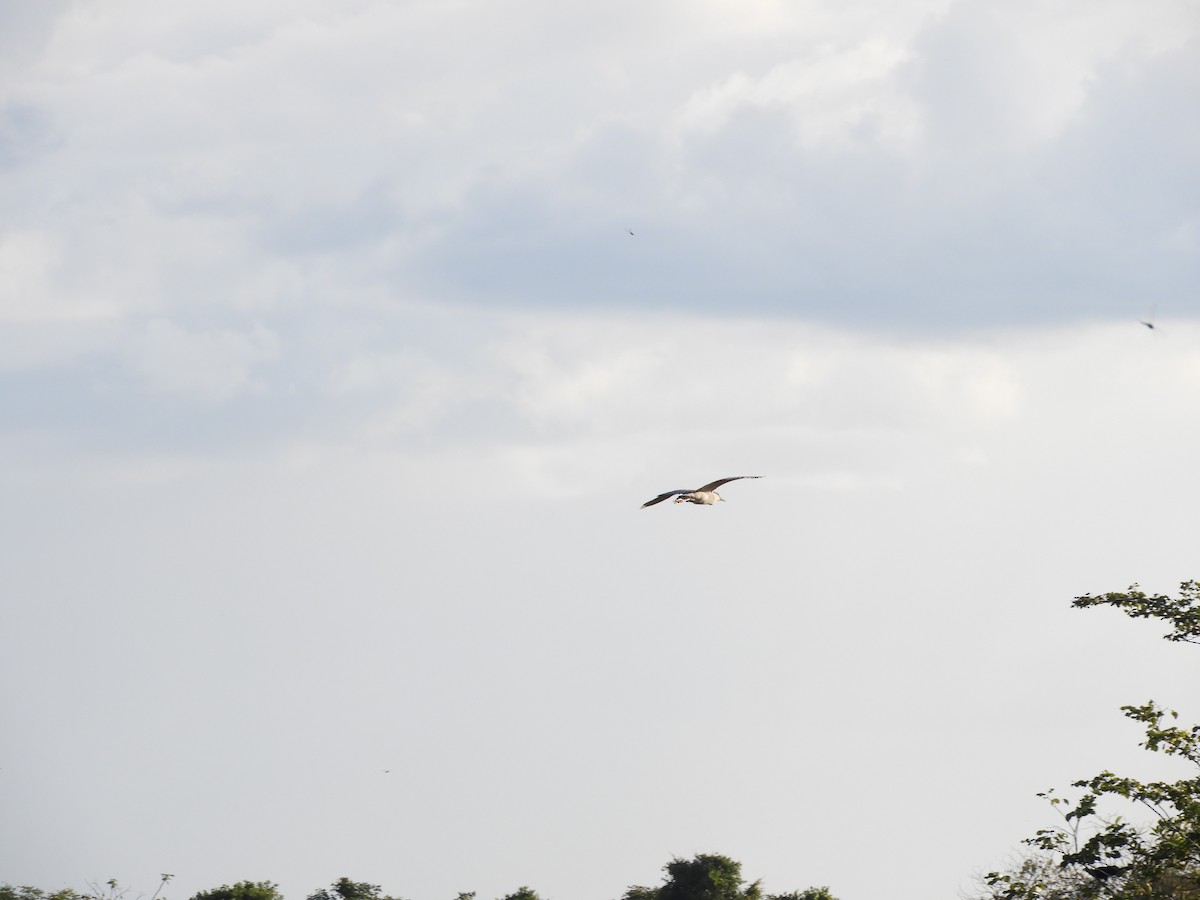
(706, 495)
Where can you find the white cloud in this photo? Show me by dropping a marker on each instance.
(578, 406)
(401, 394)
(206, 365)
(832, 97)
(996, 79)
(31, 283)
(25, 264)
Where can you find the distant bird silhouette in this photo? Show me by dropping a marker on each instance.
(630, 230)
(1150, 324)
(705, 496)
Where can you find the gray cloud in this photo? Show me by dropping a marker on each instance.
(969, 168)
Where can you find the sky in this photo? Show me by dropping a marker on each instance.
(340, 343)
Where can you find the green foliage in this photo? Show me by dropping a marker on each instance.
(345, 889)
(1039, 875)
(708, 876)
(523, 893)
(110, 890)
(812, 893)
(1096, 853)
(243, 890)
(25, 892)
(711, 876)
(1182, 612)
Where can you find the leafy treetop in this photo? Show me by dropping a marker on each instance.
(1095, 854)
(243, 890)
(345, 889)
(25, 892)
(1182, 612)
(711, 876)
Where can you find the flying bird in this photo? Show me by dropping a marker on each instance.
(1149, 324)
(706, 495)
(630, 230)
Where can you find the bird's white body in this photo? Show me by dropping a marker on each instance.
(708, 498)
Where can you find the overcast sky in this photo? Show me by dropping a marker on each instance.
(332, 378)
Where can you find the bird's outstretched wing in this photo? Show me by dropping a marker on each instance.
(712, 486)
(661, 497)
